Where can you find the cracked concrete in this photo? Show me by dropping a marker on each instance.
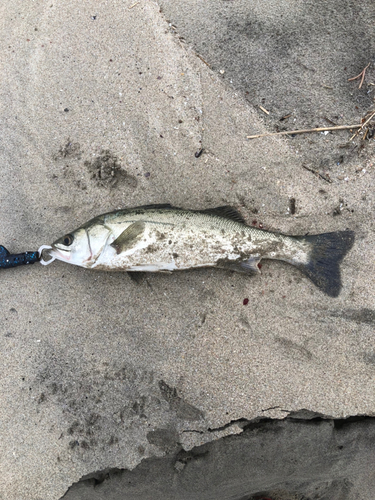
(107, 106)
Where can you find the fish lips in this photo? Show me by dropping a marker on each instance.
(60, 253)
(69, 256)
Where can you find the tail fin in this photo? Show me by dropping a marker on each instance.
(327, 252)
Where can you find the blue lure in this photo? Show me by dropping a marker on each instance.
(8, 259)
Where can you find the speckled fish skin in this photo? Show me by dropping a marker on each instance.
(163, 238)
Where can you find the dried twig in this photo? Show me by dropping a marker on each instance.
(362, 74)
(305, 131)
(264, 110)
(205, 62)
(363, 125)
(134, 4)
(329, 121)
(318, 174)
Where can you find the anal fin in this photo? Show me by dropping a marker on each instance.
(248, 266)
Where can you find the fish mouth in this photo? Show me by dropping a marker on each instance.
(68, 256)
(53, 253)
(60, 254)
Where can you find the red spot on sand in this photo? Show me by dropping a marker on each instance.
(254, 222)
(260, 265)
(245, 302)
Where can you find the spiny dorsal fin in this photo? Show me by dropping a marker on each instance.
(3, 251)
(226, 211)
(129, 237)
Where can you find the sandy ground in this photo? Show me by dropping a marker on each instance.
(104, 105)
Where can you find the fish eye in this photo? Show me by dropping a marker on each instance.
(68, 240)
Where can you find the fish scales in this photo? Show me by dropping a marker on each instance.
(168, 239)
(181, 240)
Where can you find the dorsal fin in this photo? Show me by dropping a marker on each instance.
(160, 205)
(3, 251)
(227, 212)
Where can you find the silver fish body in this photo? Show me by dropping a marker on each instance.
(163, 238)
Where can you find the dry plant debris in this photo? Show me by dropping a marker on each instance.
(361, 75)
(305, 131)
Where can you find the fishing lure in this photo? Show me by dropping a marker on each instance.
(8, 259)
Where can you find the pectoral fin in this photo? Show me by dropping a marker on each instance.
(129, 237)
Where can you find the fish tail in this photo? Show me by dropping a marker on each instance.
(326, 253)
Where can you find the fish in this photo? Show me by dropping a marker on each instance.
(162, 238)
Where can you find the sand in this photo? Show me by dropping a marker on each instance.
(104, 105)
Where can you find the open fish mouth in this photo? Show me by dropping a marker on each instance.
(43, 251)
(54, 253)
